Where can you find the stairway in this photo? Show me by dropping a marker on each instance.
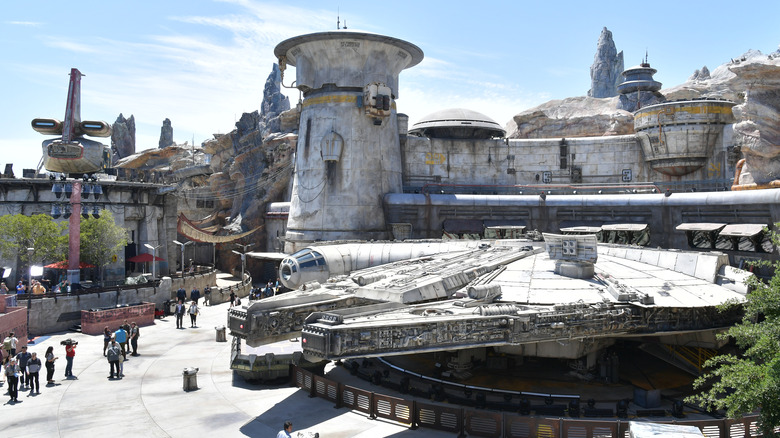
(688, 359)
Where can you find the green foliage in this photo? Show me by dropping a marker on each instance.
(101, 239)
(751, 381)
(19, 232)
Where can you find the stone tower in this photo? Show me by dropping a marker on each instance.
(348, 154)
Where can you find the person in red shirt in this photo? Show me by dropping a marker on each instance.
(70, 353)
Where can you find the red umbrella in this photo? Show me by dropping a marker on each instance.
(143, 258)
(64, 265)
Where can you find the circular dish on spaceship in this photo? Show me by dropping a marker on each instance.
(458, 123)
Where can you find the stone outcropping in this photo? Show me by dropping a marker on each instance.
(757, 130)
(123, 137)
(273, 105)
(605, 73)
(166, 134)
(572, 117)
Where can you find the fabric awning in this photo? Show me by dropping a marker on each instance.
(624, 227)
(699, 226)
(742, 230)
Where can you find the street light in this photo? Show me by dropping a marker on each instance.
(243, 258)
(182, 253)
(30, 252)
(154, 258)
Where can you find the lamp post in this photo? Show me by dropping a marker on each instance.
(154, 258)
(30, 252)
(182, 253)
(243, 258)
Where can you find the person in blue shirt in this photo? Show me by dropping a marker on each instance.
(20, 287)
(120, 336)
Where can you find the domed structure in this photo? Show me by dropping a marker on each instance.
(639, 78)
(457, 123)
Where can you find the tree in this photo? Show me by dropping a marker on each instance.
(101, 239)
(749, 381)
(40, 232)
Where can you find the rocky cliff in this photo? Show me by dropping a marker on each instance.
(166, 134)
(605, 73)
(123, 137)
(572, 117)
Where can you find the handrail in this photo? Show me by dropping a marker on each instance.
(92, 290)
(485, 423)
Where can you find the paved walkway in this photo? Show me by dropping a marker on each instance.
(150, 400)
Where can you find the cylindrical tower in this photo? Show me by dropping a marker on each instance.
(348, 154)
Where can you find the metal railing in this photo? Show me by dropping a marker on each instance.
(482, 423)
(91, 290)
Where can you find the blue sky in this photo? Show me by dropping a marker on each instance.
(203, 63)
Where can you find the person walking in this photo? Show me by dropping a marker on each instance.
(22, 358)
(120, 336)
(50, 358)
(70, 353)
(12, 377)
(193, 311)
(113, 354)
(181, 294)
(232, 298)
(195, 294)
(9, 345)
(106, 339)
(33, 368)
(180, 314)
(207, 296)
(126, 327)
(135, 332)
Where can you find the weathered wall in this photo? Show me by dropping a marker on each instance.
(57, 314)
(600, 160)
(137, 207)
(13, 319)
(189, 282)
(93, 322)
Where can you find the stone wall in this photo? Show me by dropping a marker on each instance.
(586, 160)
(93, 322)
(188, 282)
(49, 315)
(13, 319)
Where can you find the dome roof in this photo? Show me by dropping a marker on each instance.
(457, 123)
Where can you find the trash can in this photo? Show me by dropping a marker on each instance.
(190, 379)
(221, 334)
(171, 307)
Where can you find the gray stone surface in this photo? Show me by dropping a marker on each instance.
(166, 134)
(273, 105)
(150, 400)
(607, 67)
(123, 137)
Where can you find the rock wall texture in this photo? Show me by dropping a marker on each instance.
(572, 117)
(757, 129)
(605, 73)
(166, 134)
(123, 137)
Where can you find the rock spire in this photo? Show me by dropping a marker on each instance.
(605, 73)
(166, 134)
(123, 137)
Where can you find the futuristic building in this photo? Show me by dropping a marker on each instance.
(590, 282)
(348, 153)
(457, 123)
